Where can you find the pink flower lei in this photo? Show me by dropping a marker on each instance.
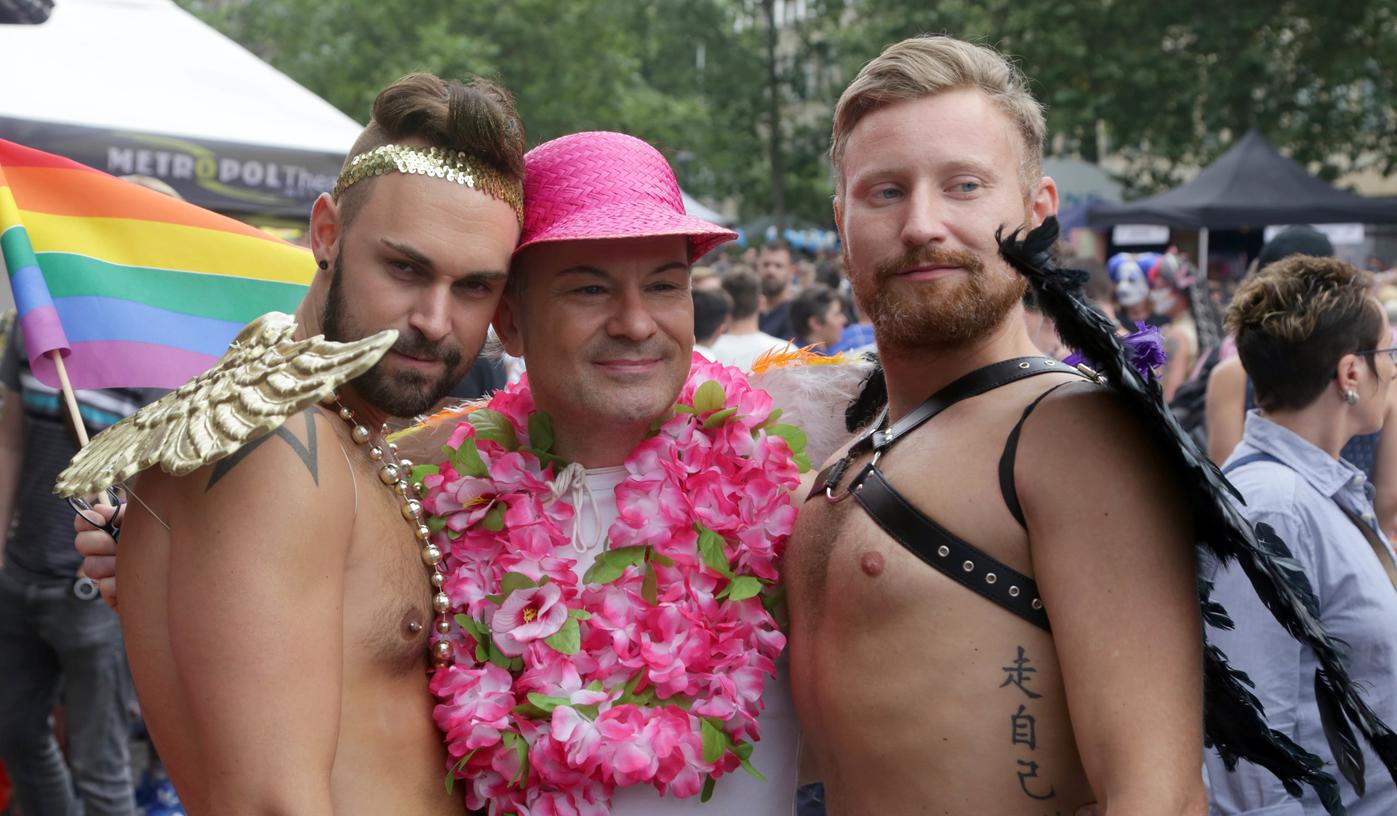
(648, 670)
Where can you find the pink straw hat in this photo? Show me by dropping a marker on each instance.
(607, 185)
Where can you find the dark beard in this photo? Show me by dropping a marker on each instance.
(407, 393)
(932, 317)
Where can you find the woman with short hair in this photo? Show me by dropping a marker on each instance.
(1316, 347)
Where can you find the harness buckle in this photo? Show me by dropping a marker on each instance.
(839, 473)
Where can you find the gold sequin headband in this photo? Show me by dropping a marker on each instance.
(452, 165)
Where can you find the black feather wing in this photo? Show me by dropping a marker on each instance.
(1222, 531)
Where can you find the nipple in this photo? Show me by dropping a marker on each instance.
(412, 624)
(872, 564)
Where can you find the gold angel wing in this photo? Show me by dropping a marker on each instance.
(266, 377)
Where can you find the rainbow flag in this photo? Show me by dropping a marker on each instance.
(135, 289)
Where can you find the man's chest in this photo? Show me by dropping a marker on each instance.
(388, 592)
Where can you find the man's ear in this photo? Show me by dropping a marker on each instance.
(326, 232)
(1044, 201)
(839, 218)
(506, 323)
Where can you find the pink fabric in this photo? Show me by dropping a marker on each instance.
(599, 184)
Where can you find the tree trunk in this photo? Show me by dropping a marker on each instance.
(778, 187)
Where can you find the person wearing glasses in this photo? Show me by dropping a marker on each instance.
(1317, 348)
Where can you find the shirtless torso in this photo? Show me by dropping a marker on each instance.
(317, 703)
(919, 696)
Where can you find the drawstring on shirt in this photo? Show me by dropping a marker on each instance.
(572, 483)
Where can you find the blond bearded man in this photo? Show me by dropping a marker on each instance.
(916, 694)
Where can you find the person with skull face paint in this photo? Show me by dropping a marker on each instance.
(1170, 281)
(1132, 288)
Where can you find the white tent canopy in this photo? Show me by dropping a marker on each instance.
(131, 86)
(697, 210)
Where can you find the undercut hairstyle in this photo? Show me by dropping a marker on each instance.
(1294, 321)
(745, 289)
(711, 309)
(929, 65)
(812, 302)
(476, 118)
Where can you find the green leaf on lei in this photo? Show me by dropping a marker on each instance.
(795, 440)
(650, 587)
(742, 588)
(436, 523)
(515, 580)
(611, 563)
(771, 419)
(420, 472)
(711, 549)
(567, 640)
(718, 418)
(708, 785)
(471, 627)
(795, 437)
(546, 703)
(744, 755)
(466, 459)
(715, 739)
(451, 774)
(530, 711)
(540, 431)
(520, 745)
(494, 426)
(709, 397)
(498, 657)
(494, 520)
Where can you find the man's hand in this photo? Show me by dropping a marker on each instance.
(99, 549)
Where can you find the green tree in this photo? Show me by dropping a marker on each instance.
(1172, 85)
(1164, 86)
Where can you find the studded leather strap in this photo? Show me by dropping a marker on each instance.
(973, 384)
(958, 560)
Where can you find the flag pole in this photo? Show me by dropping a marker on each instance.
(69, 398)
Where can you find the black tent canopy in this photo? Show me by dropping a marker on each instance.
(1250, 185)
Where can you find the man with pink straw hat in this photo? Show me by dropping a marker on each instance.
(598, 304)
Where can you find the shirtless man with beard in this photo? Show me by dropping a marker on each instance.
(917, 695)
(275, 604)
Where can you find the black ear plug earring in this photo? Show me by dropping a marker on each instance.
(324, 264)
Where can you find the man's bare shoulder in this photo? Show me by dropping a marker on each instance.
(1085, 452)
(1083, 424)
(297, 474)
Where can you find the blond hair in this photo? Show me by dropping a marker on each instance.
(929, 65)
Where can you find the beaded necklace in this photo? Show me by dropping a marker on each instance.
(395, 475)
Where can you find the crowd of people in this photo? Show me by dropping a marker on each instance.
(1045, 651)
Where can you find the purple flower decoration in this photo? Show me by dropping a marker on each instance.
(1144, 349)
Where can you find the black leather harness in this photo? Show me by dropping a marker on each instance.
(958, 560)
